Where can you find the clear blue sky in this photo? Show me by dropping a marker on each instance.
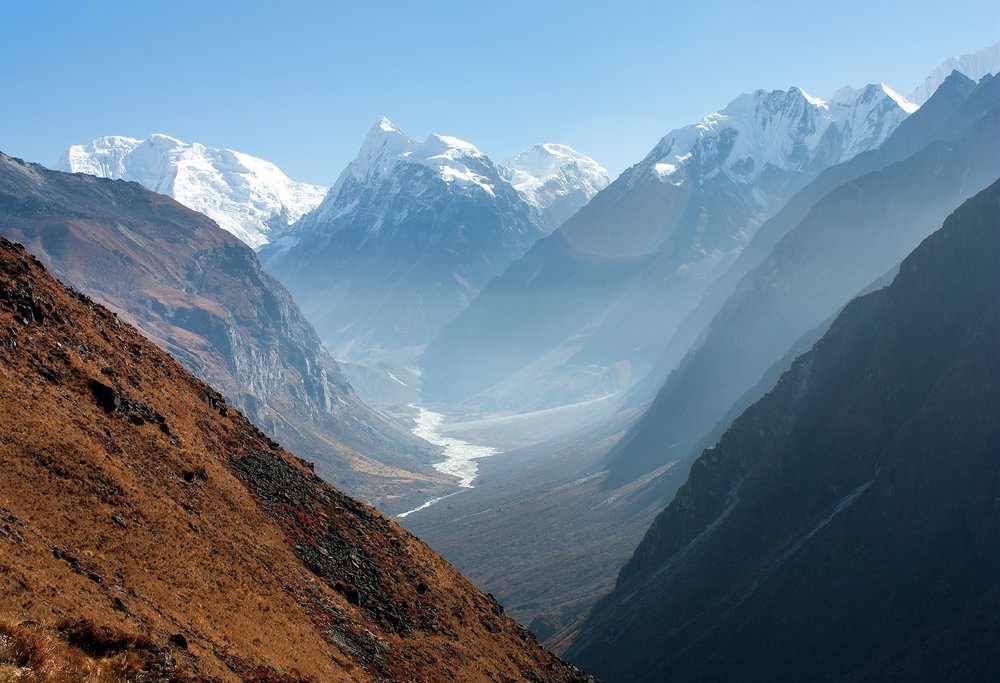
(300, 83)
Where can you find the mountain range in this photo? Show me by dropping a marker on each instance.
(587, 311)
(747, 393)
(570, 502)
(849, 238)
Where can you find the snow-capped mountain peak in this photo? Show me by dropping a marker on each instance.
(387, 151)
(783, 130)
(249, 197)
(974, 65)
(410, 232)
(555, 179)
(382, 146)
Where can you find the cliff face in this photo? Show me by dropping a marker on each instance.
(201, 294)
(134, 499)
(846, 525)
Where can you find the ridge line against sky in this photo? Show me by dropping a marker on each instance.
(300, 83)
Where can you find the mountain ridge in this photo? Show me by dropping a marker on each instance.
(975, 65)
(555, 179)
(405, 238)
(248, 197)
(849, 237)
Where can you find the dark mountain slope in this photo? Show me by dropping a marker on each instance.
(847, 525)
(852, 236)
(134, 500)
(200, 293)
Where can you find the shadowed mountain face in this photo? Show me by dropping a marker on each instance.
(200, 293)
(135, 500)
(847, 525)
(848, 239)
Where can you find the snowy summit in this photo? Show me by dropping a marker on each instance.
(248, 197)
(555, 179)
(761, 133)
(407, 236)
(387, 149)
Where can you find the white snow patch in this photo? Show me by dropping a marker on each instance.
(904, 104)
(815, 101)
(663, 170)
(460, 456)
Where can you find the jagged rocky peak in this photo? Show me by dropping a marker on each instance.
(555, 179)
(249, 197)
(383, 144)
(782, 130)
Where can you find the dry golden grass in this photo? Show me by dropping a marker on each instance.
(75, 653)
(132, 496)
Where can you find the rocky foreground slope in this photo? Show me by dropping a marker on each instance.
(201, 294)
(135, 500)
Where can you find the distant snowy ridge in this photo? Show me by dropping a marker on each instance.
(783, 130)
(974, 65)
(249, 197)
(555, 179)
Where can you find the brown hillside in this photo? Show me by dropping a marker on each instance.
(132, 497)
(201, 294)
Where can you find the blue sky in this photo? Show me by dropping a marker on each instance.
(300, 83)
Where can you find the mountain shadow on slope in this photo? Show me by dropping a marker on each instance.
(847, 525)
